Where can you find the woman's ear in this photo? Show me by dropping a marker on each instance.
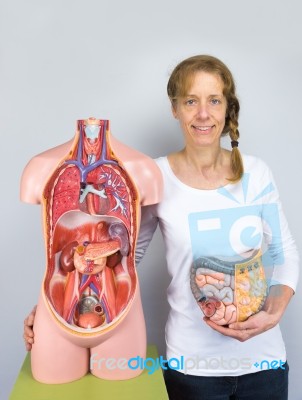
(174, 110)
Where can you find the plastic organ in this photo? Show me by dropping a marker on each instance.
(228, 292)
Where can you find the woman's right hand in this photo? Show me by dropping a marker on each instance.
(28, 333)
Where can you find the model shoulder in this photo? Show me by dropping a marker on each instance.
(142, 169)
(37, 171)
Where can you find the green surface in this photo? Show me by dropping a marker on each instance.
(146, 386)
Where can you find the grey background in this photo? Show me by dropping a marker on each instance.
(66, 60)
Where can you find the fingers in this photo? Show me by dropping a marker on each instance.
(241, 334)
(28, 343)
(28, 333)
(28, 337)
(241, 325)
(242, 331)
(29, 320)
(259, 322)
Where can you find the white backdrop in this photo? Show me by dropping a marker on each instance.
(66, 60)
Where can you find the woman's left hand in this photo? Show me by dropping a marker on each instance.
(271, 313)
(243, 331)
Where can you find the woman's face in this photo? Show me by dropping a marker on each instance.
(202, 112)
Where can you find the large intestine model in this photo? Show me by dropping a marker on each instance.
(90, 307)
(227, 291)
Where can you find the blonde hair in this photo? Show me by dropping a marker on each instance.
(180, 83)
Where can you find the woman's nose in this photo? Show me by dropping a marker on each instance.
(203, 111)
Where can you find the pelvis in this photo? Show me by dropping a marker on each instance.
(90, 221)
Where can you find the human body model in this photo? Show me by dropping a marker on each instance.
(91, 189)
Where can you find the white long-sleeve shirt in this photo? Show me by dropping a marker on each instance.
(224, 223)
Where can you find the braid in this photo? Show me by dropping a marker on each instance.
(236, 160)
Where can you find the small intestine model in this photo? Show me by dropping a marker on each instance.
(91, 190)
(228, 292)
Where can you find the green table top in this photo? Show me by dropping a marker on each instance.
(146, 386)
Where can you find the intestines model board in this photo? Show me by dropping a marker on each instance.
(90, 308)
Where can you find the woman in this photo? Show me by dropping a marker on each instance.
(218, 211)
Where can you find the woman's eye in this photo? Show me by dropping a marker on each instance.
(215, 101)
(190, 102)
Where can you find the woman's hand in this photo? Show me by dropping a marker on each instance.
(28, 333)
(271, 313)
(243, 331)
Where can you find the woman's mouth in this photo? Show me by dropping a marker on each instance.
(203, 129)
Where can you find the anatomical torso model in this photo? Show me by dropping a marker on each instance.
(89, 311)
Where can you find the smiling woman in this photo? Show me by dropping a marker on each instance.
(221, 218)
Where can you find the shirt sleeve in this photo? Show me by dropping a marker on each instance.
(149, 222)
(281, 245)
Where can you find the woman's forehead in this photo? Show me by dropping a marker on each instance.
(202, 80)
